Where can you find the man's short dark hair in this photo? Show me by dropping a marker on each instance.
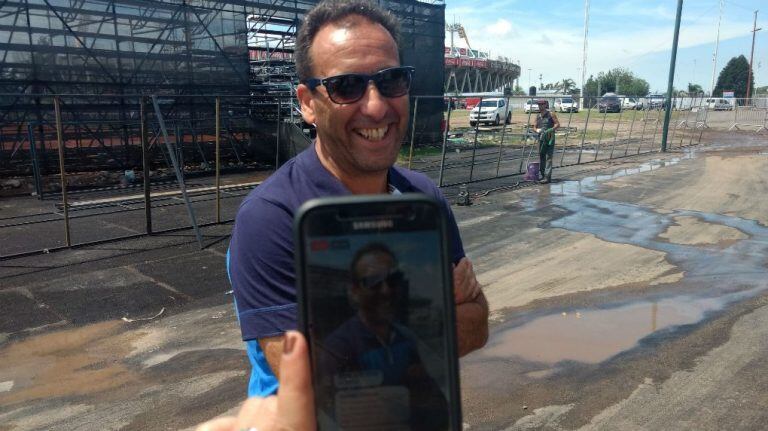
(335, 11)
(373, 247)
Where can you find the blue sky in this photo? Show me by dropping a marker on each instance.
(547, 36)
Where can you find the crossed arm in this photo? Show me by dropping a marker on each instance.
(471, 317)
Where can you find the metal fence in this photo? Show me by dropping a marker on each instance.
(502, 143)
(127, 166)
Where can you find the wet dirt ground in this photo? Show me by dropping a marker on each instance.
(630, 294)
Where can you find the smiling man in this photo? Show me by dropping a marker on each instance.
(354, 89)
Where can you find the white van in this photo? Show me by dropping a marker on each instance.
(719, 105)
(566, 104)
(630, 102)
(490, 111)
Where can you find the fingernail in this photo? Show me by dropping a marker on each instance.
(288, 343)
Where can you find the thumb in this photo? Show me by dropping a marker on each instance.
(295, 398)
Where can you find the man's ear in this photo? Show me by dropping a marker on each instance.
(307, 102)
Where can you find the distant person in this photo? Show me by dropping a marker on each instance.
(546, 125)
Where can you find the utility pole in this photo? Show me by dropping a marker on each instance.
(717, 46)
(541, 83)
(529, 79)
(751, 57)
(693, 80)
(584, 50)
(668, 111)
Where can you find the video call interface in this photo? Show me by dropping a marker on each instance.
(377, 324)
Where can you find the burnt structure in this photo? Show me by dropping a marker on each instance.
(103, 57)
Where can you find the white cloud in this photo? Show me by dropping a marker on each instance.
(500, 27)
(552, 46)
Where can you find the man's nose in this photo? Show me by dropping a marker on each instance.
(385, 289)
(374, 105)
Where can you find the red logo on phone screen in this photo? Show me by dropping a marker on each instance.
(319, 245)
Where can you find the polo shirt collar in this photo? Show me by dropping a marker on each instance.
(326, 184)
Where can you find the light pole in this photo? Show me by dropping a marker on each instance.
(581, 90)
(529, 79)
(584, 49)
(751, 57)
(717, 47)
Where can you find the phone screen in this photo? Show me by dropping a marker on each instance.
(378, 317)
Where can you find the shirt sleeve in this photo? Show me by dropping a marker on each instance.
(261, 269)
(456, 247)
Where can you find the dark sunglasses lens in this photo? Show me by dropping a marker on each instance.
(394, 82)
(345, 88)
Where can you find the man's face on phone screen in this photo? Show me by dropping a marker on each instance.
(376, 286)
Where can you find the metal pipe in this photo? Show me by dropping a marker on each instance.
(656, 129)
(584, 135)
(602, 127)
(102, 241)
(445, 142)
(277, 139)
(62, 170)
(413, 130)
(567, 135)
(631, 127)
(35, 162)
(179, 148)
(145, 164)
(671, 81)
(177, 170)
(673, 121)
(503, 132)
(525, 144)
(618, 126)
(645, 124)
(477, 132)
(696, 122)
(218, 159)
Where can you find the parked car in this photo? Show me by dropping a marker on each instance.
(531, 105)
(609, 104)
(490, 111)
(566, 104)
(719, 104)
(657, 101)
(630, 102)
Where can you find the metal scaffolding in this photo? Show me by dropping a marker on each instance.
(100, 56)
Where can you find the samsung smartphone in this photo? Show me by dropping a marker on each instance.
(376, 304)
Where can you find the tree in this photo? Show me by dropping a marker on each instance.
(695, 89)
(568, 85)
(733, 77)
(607, 82)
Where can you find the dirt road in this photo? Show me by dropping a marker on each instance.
(628, 294)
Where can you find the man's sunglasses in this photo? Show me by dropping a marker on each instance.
(350, 87)
(394, 278)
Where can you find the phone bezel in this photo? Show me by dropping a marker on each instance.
(367, 202)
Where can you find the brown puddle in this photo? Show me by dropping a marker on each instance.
(595, 335)
(72, 362)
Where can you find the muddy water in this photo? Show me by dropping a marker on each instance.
(72, 362)
(716, 275)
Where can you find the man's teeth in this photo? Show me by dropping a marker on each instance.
(373, 134)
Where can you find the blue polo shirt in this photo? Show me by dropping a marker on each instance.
(260, 260)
